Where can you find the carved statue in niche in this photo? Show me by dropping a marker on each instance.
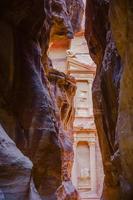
(84, 173)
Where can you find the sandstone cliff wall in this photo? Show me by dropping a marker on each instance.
(36, 108)
(108, 33)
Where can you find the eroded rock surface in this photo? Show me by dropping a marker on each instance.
(15, 172)
(36, 107)
(108, 34)
(121, 15)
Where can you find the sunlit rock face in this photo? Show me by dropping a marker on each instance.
(62, 89)
(36, 107)
(108, 33)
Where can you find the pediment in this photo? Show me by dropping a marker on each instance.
(77, 65)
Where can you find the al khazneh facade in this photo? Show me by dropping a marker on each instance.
(87, 174)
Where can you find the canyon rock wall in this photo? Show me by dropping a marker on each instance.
(36, 108)
(121, 17)
(108, 34)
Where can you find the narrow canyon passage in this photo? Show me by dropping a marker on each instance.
(66, 100)
(72, 58)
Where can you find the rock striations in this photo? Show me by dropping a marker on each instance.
(109, 26)
(36, 101)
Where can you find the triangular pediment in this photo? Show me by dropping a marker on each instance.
(76, 65)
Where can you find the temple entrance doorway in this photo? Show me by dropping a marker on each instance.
(83, 166)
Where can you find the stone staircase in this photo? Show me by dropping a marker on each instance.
(87, 195)
(89, 198)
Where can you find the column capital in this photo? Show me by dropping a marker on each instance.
(75, 143)
(92, 143)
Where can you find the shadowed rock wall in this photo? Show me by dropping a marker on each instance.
(108, 33)
(36, 108)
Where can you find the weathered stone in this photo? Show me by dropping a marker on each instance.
(112, 93)
(31, 112)
(63, 89)
(122, 26)
(15, 172)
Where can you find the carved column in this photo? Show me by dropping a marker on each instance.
(93, 167)
(74, 169)
(90, 98)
